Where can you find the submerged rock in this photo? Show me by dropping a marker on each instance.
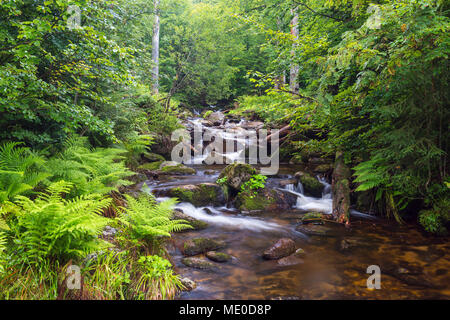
(290, 261)
(198, 263)
(218, 256)
(282, 248)
(315, 230)
(196, 224)
(201, 245)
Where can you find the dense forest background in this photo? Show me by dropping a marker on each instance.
(366, 78)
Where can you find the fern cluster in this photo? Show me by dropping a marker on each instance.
(19, 171)
(99, 171)
(51, 227)
(148, 220)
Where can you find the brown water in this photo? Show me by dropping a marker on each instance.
(413, 266)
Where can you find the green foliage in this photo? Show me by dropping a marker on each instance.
(99, 170)
(136, 146)
(256, 182)
(222, 181)
(157, 280)
(149, 221)
(51, 227)
(19, 171)
(273, 108)
(435, 220)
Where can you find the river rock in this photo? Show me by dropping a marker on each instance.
(252, 125)
(203, 194)
(198, 263)
(109, 232)
(237, 174)
(188, 284)
(290, 261)
(153, 157)
(265, 199)
(196, 224)
(174, 168)
(311, 185)
(282, 248)
(216, 118)
(323, 168)
(315, 230)
(284, 183)
(218, 256)
(201, 245)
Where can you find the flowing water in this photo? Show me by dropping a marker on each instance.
(413, 265)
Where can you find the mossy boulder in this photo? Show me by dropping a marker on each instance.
(174, 168)
(153, 157)
(312, 217)
(151, 166)
(323, 168)
(201, 245)
(198, 263)
(265, 199)
(203, 194)
(218, 256)
(195, 223)
(237, 174)
(311, 185)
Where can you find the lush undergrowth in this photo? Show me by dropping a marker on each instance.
(53, 213)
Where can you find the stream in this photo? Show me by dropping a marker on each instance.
(333, 266)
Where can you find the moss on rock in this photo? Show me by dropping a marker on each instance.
(152, 166)
(199, 195)
(311, 185)
(177, 170)
(236, 174)
(201, 245)
(218, 256)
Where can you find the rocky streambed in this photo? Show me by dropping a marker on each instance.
(281, 243)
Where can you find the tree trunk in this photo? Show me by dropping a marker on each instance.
(155, 49)
(341, 190)
(294, 67)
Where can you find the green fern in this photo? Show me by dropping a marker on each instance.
(19, 172)
(52, 227)
(100, 171)
(148, 220)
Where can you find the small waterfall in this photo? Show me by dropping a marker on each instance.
(218, 218)
(324, 204)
